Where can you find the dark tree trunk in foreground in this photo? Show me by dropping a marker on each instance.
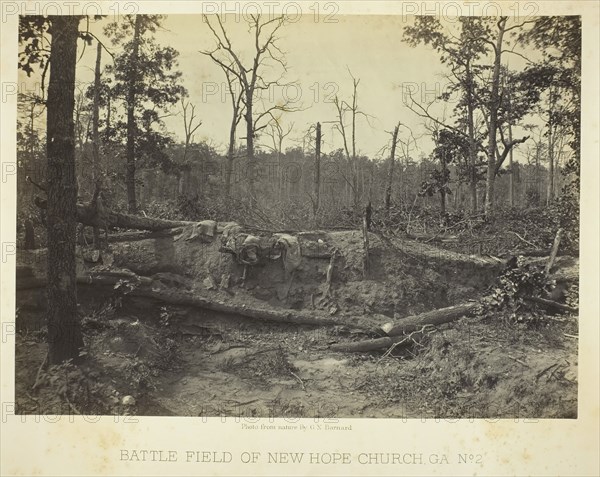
(131, 126)
(64, 330)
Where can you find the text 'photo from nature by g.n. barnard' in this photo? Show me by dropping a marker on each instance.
(298, 216)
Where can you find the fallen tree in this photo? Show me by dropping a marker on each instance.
(87, 215)
(551, 304)
(434, 317)
(415, 325)
(148, 288)
(104, 278)
(296, 317)
(376, 344)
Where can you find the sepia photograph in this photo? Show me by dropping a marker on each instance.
(297, 221)
(216, 217)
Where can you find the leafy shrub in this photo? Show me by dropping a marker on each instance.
(508, 296)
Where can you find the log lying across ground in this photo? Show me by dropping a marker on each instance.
(397, 331)
(552, 304)
(375, 344)
(86, 214)
(27, 283)
(434, 317)
(139, 235)
(296, 317)
(149, 288)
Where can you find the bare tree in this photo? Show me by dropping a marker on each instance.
(96, 137)
(349, 137)
(237, 112)
(277, 133)
(191, 123)
(388, 189)
(317, 178)
(251, 76)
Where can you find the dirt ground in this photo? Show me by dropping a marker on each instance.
(475, 368)
(143, 357)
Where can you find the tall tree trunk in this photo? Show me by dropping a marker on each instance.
(32, 133)
(355, 197)
(458, 196)
(279, 182)
(230, 158)
(550, 191)
(64, 329)
(538, 171)
(442, 204)
(493, 123)
(131, 126)
(107, 131)
(445, 174)
(250, 146)
(317, 178)
(472, 142)
(511, 182)
(96, 116)
(551, 143)
(511, 178)
(96, 135)
(388, 190)
(235, 119)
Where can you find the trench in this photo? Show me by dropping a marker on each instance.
(188, 361)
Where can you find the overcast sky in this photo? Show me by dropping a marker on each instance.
(318, 56)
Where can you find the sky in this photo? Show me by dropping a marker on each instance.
(320, 57)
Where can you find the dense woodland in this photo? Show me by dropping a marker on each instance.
(277, 181)
(105, 143)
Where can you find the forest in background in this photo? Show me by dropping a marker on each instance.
(270, 179)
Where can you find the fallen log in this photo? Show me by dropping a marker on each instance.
(86, 215)
(151, 289)
(375, 344)
(109, 279)
(434, 317)
(551, 304)
(480, 269)
(139, 235)
(295, 317)
(365, 346)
